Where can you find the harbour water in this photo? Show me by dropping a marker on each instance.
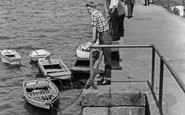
(59, 26)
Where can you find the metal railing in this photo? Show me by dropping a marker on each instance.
(163, 62)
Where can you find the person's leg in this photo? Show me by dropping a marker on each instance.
(114, 22)
(107, 40)
(121, 25)
(107, 61)
(129, 10)
(132, 9)
(90, 81)
(106, 78)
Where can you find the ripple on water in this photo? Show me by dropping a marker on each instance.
(59, 26)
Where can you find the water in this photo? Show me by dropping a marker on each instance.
(59, 26)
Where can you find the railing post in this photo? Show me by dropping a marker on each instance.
(153, 68)
(91, 68)
(161, 84)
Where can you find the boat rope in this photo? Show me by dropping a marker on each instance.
(52, 107)
(62, 109)
(78, 81)
(73, 100)
(61, 83)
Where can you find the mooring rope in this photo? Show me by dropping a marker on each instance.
(62, 109)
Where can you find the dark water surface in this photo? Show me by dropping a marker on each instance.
(59, 26)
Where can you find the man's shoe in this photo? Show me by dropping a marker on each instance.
(89, 84)
(104, 82)
(129, 17)
(100, 81)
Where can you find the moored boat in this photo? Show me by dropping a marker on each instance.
(83, 51)
(10, 56)
(35, 55)
(41, 93)
(54, 69)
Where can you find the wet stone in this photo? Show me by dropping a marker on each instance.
(122, 98)
(95, 98)
(127, 111)
(95, 111)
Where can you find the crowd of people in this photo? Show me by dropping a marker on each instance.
(107, 28)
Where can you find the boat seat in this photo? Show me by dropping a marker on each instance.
(54, 70)
(37, 85)
(41, 93)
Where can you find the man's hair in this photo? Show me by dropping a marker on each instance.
(91, 4)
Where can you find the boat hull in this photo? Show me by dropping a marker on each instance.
(54, 69)
(35, 55)
(38, 99)
(43, 105)
(83, 50)
(11, 57)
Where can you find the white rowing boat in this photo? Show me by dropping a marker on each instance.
(35, 55)
(54, 69)
(83, 51)
(10, 56)
(41, 93)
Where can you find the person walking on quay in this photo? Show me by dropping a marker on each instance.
(113, 11)
(117, 17)
(100, 27)
(130, 6)
(121, 17)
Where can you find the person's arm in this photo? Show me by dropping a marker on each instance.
(94, 34)
(114, 4)
(106, 11)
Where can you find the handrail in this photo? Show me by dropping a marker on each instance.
(175, 75)
(163, 62)
(121, 46)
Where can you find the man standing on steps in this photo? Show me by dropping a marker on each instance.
(100, 27)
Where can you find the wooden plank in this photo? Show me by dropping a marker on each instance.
(54, 70)
(40, 95)
(80, 68)
(59, 74)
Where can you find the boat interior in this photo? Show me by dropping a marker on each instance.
(41, 91)
(10, 55)
(53, 68)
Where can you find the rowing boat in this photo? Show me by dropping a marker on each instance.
(83, 51)
(41, 93)
(10, 56)
(35, 55)
(54, 69)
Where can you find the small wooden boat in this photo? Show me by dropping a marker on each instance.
(41, 93)
(83, 51)
(54, 69)
(10, 56)
(35, 55)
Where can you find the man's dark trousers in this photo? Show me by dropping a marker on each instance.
(114, 22)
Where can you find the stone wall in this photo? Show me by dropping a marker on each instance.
(113, 103)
